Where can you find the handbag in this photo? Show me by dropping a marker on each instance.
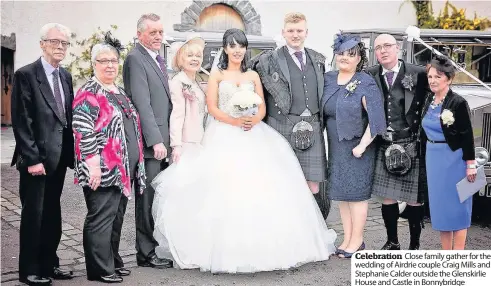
(466, 189)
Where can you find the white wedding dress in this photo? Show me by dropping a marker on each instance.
(239, 203)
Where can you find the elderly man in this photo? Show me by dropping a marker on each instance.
(405, 87)
(293, 79)
(146, 82)
(42, 97)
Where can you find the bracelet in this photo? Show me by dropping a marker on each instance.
(471, 166)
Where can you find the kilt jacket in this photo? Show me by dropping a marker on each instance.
(273, 70)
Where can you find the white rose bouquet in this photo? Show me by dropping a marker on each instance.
(246, 103)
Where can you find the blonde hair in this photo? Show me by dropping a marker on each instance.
(179, 56)
(294, 17)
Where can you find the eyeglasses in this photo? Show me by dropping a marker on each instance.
(106, 62)
(56, 43)
(384, 46)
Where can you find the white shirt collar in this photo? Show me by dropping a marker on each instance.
(48, 68)
(292, 51)
(395, 69)
(152, 53)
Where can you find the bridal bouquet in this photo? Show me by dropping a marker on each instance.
(246, 102)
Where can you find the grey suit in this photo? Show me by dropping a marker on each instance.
(148, 87)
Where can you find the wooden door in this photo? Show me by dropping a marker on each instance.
(7, 74)
(219, 18)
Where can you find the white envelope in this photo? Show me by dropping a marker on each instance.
(466, 189)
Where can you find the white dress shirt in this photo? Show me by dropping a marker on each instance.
(395, 69)
(48, 70)
(295, 59)
(153, 55)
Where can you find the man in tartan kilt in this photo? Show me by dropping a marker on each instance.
(405, 87)
(293, 81)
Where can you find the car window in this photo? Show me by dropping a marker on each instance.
(474, 58)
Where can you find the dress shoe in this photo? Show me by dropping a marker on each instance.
(35, 280)
(413, 246)
(346, 254)
(61, 274)
(113, 278)
(391, 246)
(156, 262)
(123, 271)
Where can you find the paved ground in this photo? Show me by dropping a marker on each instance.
(332, 272)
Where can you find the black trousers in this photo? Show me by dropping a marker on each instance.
(145, 243)
(40, 224)
(102, 230)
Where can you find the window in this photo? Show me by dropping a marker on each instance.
(476, 59)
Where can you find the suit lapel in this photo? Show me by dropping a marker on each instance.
(284, 65)
(46, 89)
(154, 65)
(67, 92)
(408, 95)
(331, 88)
(318, 73)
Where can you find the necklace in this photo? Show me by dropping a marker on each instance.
(128, 112)
(434, 105)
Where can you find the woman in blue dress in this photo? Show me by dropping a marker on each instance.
(353, 113)
(448, 140)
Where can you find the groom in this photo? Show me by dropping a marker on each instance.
(293, 80)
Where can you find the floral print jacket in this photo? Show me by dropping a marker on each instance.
(99, 130)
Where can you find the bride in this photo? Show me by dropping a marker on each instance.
(240, 204)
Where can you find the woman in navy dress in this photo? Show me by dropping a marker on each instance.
(449, 144)
(353, 114)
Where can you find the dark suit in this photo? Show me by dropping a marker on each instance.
(41, 137)
(148, 88)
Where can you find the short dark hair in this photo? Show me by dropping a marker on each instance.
(442, 64)
(230, 37)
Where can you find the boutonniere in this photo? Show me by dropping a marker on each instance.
(351, 87)
(408, 81)
(187, 92)
(447, 117)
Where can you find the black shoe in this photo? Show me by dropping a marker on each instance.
(35, 280)
(60, 274)
(107, 279)
(391, 246)
(413, 246)
(123, 271)
(156, 262)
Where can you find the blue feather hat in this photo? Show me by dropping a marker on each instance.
(344, 42)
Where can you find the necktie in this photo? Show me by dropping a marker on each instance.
(299, 56)
(390, 78)
(57, 93)
(163, 67)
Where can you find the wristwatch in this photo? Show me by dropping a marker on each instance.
(471, 166)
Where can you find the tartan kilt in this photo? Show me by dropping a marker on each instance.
(409, 187)
(313, 160)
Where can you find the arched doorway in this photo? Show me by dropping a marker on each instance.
(220, 15)
(219, 18)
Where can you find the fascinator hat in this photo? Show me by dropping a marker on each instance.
(176, 48)
(344, 42)
(113, 42)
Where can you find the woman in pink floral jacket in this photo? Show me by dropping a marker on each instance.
(109, 157)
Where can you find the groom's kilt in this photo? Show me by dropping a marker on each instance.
(313, 160)
(407, 188)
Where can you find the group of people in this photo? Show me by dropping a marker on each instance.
(221, 191)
